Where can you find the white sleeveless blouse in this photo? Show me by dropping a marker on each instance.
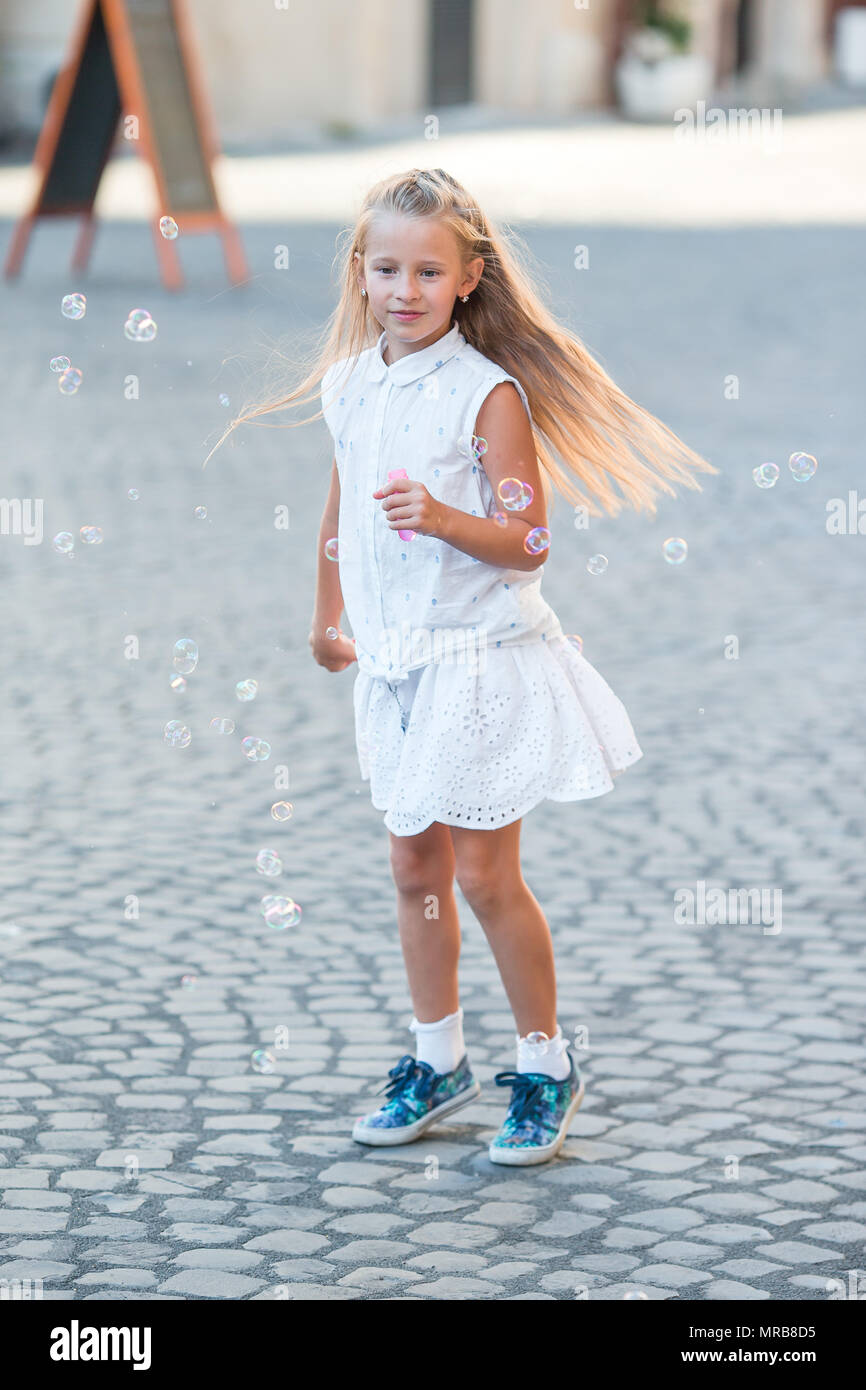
(419, 413)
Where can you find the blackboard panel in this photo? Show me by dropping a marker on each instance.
(88, 129)
(172, 117)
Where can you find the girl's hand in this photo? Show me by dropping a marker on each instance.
(409, 507)
(334, 653)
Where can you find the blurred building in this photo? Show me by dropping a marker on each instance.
(285, 70)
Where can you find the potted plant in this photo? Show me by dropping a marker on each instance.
(657, 74)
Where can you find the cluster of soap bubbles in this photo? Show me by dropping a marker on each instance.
(514, 494)
(185, 657)
(64, 541)
(538, 539)
(280, 912)
(139, 326)
(269, 863)
(471, 445)
(802, 467)
(256, 750)
(69, 378)
(73, 306)
(168, 228)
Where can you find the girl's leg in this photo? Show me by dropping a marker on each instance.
(423, 870)
(488, 871)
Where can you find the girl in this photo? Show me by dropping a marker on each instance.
(454, 398)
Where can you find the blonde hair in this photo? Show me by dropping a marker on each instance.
(589, 435)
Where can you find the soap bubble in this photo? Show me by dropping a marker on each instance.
(280, 912)
(91, 535)
(575, 641)
(597, 564)
(256, 749)
(200, 513)
(246, 690)
(63, 542)
(224, 400)
(178, 683)
(139, 326)
(471, 445)
(59, 364)
(331, 633)
(675, 550)
(500, 518)
(176, 734)
(168, 228)
(537, 1039)
(331, 548)
(766, 474)
(73, 306)
(69, 381)
(514, 495)
(802, 467)
(269, 863)
(133, 494)
(263, 1061)
(282, 810)
(537, 540)
(188, 981)
(185, 655)
(222, 726)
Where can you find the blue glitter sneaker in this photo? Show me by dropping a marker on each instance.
(538, 1117)
(418, 1096)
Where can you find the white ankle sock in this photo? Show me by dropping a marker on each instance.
(548, 1057)
(440, 1044)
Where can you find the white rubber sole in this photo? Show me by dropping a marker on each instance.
(366, 1134)
(521, 1158)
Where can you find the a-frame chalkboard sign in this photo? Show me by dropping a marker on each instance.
(135, 57)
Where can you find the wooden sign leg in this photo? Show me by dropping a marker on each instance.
(167, 259)
(233, 250)
(18, 246)
(81, 254)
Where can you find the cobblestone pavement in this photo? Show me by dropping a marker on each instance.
(719, 1152)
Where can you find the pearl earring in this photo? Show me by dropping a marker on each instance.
(363, 292)
(465, 298)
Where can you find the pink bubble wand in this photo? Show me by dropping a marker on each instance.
(401, 473)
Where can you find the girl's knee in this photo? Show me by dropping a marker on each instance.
(422, 863)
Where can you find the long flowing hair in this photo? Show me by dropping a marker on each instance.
(589, 435)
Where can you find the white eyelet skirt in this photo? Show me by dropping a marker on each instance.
(482, 747)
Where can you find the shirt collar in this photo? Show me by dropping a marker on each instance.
(415, 364)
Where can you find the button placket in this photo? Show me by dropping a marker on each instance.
(373, 486)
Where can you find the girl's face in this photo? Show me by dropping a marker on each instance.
(412, 273)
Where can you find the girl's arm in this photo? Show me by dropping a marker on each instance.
(335, 653)
(328, 607)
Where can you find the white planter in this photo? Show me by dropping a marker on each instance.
(654, 91)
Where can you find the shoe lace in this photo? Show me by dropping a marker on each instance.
(403, 1074)
(527, 1090)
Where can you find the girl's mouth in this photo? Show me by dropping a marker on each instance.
(406, 316)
